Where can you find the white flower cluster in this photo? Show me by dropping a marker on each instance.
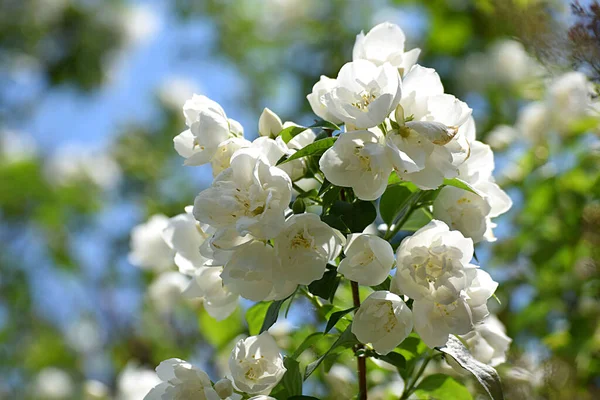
(240, 238)
(255, 365)
(568, 99)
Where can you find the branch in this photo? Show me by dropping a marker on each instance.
(361, 359)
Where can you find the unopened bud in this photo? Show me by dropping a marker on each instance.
(224, 388)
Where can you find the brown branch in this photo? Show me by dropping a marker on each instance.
(361, 360)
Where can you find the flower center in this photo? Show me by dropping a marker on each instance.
(363, 100)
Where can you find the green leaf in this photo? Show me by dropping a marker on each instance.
(314, 149)
(385, 285)
(336, 316)
(303, 398)
(352, 217)
(288, 133)
(486, 375)
(326, 286)
(459, 183)
(262, 316)
(418, 219)
(220, 333)
(308, 341)
(255, 317)
(346, 339)
(299, 206)
(272, 314)
(292, 379)
(440, 386)
(392, 201)
(396, 359)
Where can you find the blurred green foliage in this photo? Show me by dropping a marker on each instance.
(551, 247)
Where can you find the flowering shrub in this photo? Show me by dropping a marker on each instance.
(392, 166)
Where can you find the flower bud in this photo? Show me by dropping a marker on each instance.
(224, 388)
(269, 124)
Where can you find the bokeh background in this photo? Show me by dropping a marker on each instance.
(90, 99)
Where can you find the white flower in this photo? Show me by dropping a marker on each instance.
(185, 236)
(219, 301)
(569, 97)
(53, 383)
(166, 290)
(148, 249)
(433, 264)
(502, 136)
(510, 63)
(254, 272)
(368, 261)
(477, 294)
(358, 159)
(385, 43)
(365, 94)
(426, 149)
(208, 127)
(134, 382)
(463, 211)
(224, 388)
(534, 121)
(256, 365)
(315, 99)
(269, 124)
(305, 246)
(268, 149)
(95, 390)
(488, 342)
(384, 320)
(222, 158)
(250, 197)
(434, 322)
(181, 380)
(468, 212)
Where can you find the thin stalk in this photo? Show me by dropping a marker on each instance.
(361, 360)
(390, 233)
(408, 389)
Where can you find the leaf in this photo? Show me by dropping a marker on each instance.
(385, 285)
(486, 375)
(336, 316)
(418, 219)
(288, 133)
(314, 149)
(326, 286)
(459, 183)
(440, 386)
(255, 317)
(308, 341)
(396, 359)
(272, 314)
(354, 217)
(220, 333)
(303, 398)
(262, 316)
(346, 339)
(392, 201)
(292, 379)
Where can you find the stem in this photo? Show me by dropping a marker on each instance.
(397, 226)
(313, 299)
(304, 192)
(361, 360)
(408, 389)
